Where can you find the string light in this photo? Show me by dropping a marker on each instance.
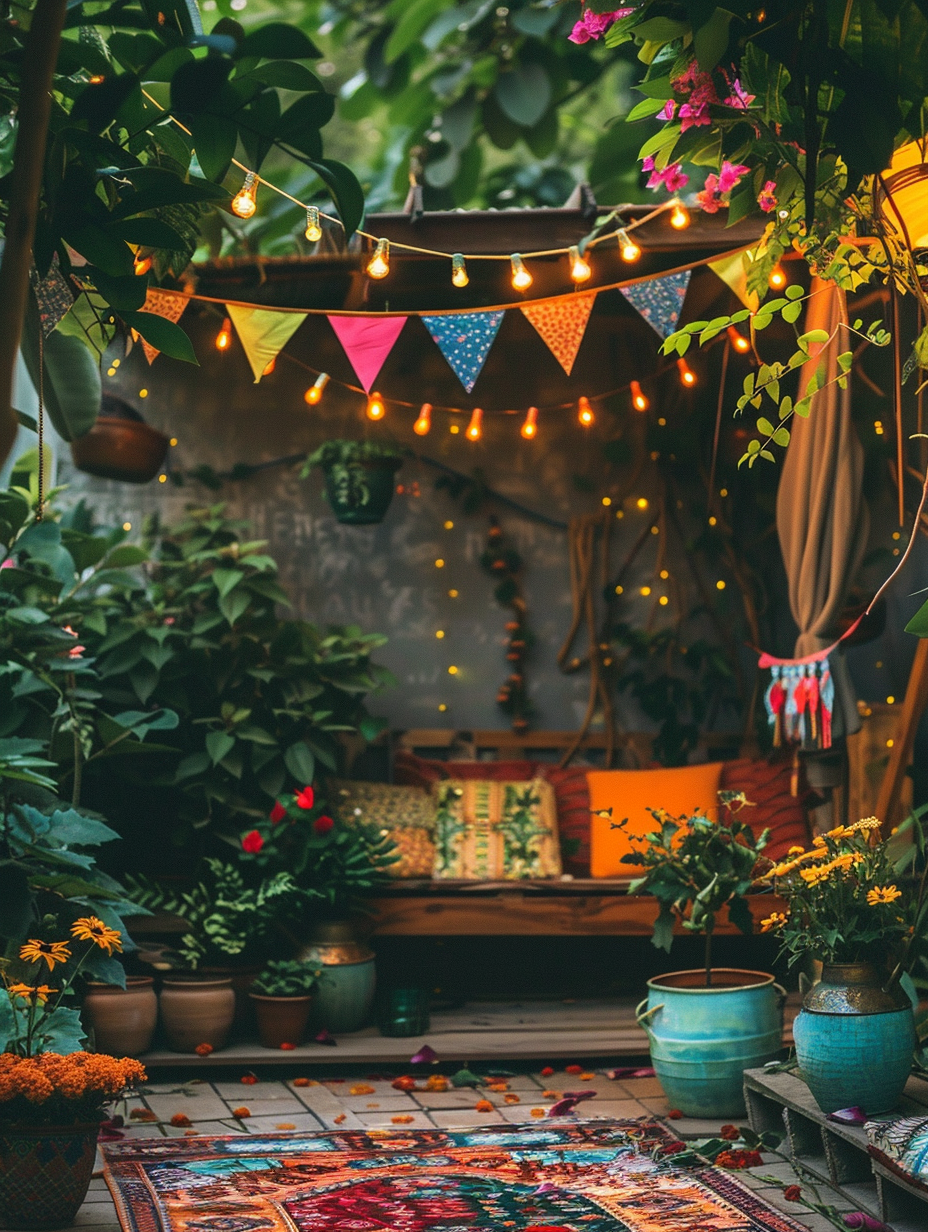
(143, 393)
(375, 407)
(680, 217)
(474, 427)
(777, 279)
(379, 264)
(313, 230)
(639, 401)
(141, 265)
(628, 249)
(224, 337)
(738, 341)
(585, 412)
(530, 428)
(245, 201)
(314, 394)
(687, 375)
(459, 271)
(521, 278)
(580, 269)
(424, 422)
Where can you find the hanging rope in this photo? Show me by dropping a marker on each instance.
(40, 426)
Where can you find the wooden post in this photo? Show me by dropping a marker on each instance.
(900, 755)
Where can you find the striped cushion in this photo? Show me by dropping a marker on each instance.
(767, 785)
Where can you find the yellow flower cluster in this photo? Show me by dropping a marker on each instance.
(773, 922)
(842, 864)
(78, 1075)
(883, 894)
(790, 866)
(89, 928)
(51, 952)
(27, 991)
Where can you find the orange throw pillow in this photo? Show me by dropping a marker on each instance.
(630, 793)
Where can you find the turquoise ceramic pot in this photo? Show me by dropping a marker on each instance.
(345, 993)
(703, 1039)
(854, 1041)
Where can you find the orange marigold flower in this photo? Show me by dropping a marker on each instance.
(731, 1133)
(361, 1088)
(51, 952)
(550, 1095)
(180, 1119)
(405, 1083)
(249, 1080)
(297, 1082)
(241, 1113)
(142, 1114)
(203, 1050)
(403, 1119)
(89, 928)
(340, 1118)
(437, 1082)
(537, 1112)
(483, 1105)
(285, 1125)
(587, 1077)
(511, 1098)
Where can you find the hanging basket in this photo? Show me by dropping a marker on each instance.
(360, 491)
(128, 450)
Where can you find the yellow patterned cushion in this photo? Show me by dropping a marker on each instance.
(405, 814)
(487, 831)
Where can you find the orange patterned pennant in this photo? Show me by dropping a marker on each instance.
(562, 325)
(165, 304)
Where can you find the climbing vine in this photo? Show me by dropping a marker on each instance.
(504, 563)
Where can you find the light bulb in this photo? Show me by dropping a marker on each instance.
(269, 366)
(224, 337)
(314, 394)
(530, 428)
(474, 427)
(687, 375)
(375, 407)
(628, 249)
(424, 422)
(521, 278)
(245, 201)
(639, 401)
(585, 412)
(777, 279)
(141, 265)
(680, 217)
(738, 341)
(580, 269)
(379, 264)
(313, 231)
(459, 271)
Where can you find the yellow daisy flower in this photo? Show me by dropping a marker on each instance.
(89, 928)
(796, 851)
(20, 990)
(883, 894)
(776, 920)
(51, 952)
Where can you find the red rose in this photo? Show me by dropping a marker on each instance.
(731, 1133)
(739, 1159)
(305, 798)
(547, 1072)
(278, 812)
(322, 825)
(674, 1114)
(253, 842)
(573, 1069)
(203, 1050)
(792, 1193)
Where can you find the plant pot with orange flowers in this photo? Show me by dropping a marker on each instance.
(52, 1094)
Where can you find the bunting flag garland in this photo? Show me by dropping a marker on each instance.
(562, 325)
(659, 300)
(367, 341)
(162, 304)
(263, 333)
(53, 296)
(465, 338)
(732, 270)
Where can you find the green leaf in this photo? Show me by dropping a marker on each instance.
(219, 744)
(781, 437)
(812, 336)
(225, 579)
(919, 622)
(792, 312)
(274, 40)
(710, 40)
(524, 93)
(647, 107)
(151, 232)
(164, 335)
(214, 139)
(415, 16)
(300, 762)
(347, 193)
(196, 84)
(234, 604)
(765, 426)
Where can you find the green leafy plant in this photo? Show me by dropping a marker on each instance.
(346, 464)
(286, 978)
(695, 867)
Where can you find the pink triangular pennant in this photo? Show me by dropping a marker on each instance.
(165, 304)
(367, 342)
(562, 325)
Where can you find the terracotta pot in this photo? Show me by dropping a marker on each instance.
(122, 1019)
(242, 979)
(124, 449)
(45, 1173)
(281, 1020)
(196, 1011)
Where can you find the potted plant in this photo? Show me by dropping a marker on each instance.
(358, 478)
(705, 1027)
(120, 445)
(848, 906)
(122, 1019)
(282, 995)
(52, 1093)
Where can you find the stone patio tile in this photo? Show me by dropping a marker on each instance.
(239, 1092)
(699, 1127)
(300, 1122)
(524, 1082)
(208, 1129)
(349, 1119)
(97, 1215)
(281, 1108)
(383, 1088)
(639, 1087)
(165, 1088)
(143, 1130)
(449, 1118)
(519, 1113)
(201, 1104)
(463, 1098)
(621, 1109)
(316, 1097)
(383, 1120)
(394, 1102)
(659, 1107)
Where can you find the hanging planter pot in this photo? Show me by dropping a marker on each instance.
(359, 478)
(120, 445)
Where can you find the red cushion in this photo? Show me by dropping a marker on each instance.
(572, 795)
(767, 785)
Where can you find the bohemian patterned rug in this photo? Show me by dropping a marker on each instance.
(594, 1176)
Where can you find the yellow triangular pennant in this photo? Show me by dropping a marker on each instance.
(163, 304)
(263, 333)
(733, 271)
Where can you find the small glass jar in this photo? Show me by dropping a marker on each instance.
(404, 1011)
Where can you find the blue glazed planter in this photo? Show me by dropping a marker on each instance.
(703, 1039)
(854, 1042)
(344, 995)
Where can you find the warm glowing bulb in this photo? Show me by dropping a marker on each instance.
(585, 412)
(224, 337)
(162, 478)
(313, 230)
(628, 249)
(720, 585)
(680, 217)
(738, 341)
(141, 265)
(379, 264)
(530, 428)
(777, 278)
(269, 367)
(639, 401)
(375, 407)
(314, 394)
(474, 427)
(143, 393)
(245, 201)
(580, 269)
(424, 422)
(459, 271)
(687, 375)
(521, 278)
(452, 671)
(642, 502)
(127, 525)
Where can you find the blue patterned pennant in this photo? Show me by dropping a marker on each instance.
(659, 300)
(465, 338)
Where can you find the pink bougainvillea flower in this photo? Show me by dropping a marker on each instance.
(766, 198)
(709, 200)
(277, 813)
(305, 798)
(667, 111)
(739, 97)
(730, 175)
(594, 25)
(322, 825)
(674, 178)
(694, 115)
(252, 842)
(74, 652)
(647, 164)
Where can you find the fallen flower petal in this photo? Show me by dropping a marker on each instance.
(511, 1098)
(339, 1119)
(287, 1047)
(849, 1116)
(630, 1071)
(792, 1193)
(361, 1088)
(249, 1080)
(483, 1105)
(730, 1133)
(858, 1219)
(301, 1082)
(573, 1069)
(324, 1038)
(285, 1125)
(179, 1119)
(547, 1072)
(143, 1114)
(241, 1113)
(405, 1083)
(404, 1119)
(569, 1102)
(537, 1112)
(425, 1056)
(203, 1050)
(674, 1115)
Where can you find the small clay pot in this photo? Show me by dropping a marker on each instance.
(124, 449)
(122, 1019)
(281, 1020)
(196, 1011)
